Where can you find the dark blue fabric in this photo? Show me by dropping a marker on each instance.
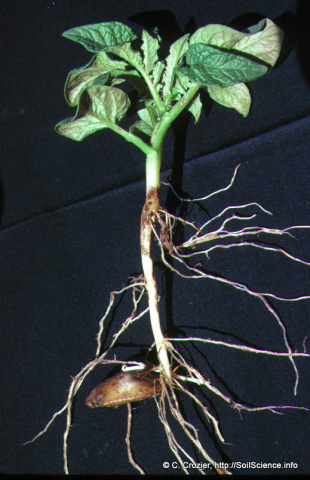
(70, 235)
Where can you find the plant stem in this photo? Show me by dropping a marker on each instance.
(152, 173)
(167, 119)
(157, 100)
(153, 162)
(151, 206)
(130, 137)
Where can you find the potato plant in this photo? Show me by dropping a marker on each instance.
(169, 80)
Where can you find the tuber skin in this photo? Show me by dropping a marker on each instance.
(125, 387)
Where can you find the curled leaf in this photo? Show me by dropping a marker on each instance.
(100, 107)
(78, 80)
(265, 44)
(262, 41)
(216, 35)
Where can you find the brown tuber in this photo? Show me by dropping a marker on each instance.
(125, 387)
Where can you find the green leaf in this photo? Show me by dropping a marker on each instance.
(256, 28)
(79, 128)
(181, 84)
(216, 35)
(237, 97)
(99, 36)
(150, 47)
(263, 41)
(108, 103)
(78, 80)
(157, 72)
(145, 116)
(211, 66)
(141, 126)
(195, 108)
(101, 80)
(132, 76)
(128, 54)
(100, 107)
(177, 51)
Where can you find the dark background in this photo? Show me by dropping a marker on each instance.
(70, 234)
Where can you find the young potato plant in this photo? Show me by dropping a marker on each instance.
(220, 61)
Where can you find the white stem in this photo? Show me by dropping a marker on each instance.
(153, 162)
(150, 208)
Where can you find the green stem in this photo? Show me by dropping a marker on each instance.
(159, 105)
(162, 127)
(130, 137)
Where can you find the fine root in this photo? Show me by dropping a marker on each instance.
(182, 253)
(137, 287)
(129, 451)
(168, 396)
(177, 259)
